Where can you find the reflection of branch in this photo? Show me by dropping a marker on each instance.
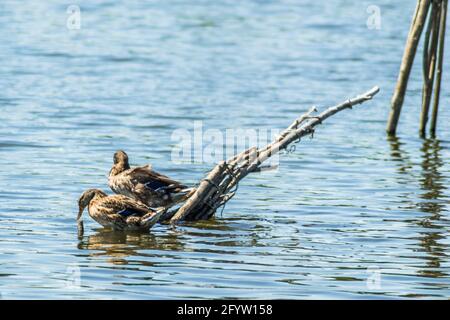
(398, 153)
(220, 184)
(433, 186)
(431, 176)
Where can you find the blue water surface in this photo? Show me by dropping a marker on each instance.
(350, 214)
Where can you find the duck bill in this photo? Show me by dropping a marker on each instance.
(80, 213)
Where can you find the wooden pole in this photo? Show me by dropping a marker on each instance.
(407, 62)
(429, 63)
(439, 70)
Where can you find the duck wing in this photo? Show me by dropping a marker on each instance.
(125, 206)
(152, 179)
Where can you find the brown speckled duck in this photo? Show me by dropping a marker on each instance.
(117, 211)
(144, 184)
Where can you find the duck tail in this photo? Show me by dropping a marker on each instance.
(150, 219)
(189, 191)
(182, 195)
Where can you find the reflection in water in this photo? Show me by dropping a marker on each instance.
(211, 237)
(432, 183)
(399, 155)
(432, 179)
(120, 245)
(433, 196)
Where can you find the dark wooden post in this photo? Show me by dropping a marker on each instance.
(439, 70)
(407, 62)
(429, 63)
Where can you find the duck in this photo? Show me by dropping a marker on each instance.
(144, 184)
(118, 212)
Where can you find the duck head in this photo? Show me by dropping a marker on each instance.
(86, 198)
(120, 162)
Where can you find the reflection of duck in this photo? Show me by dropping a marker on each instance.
(118, 212)
(144, 184)
(120, 245)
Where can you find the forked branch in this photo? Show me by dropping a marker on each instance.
(219, 185)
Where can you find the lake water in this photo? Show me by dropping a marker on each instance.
(350, 214)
